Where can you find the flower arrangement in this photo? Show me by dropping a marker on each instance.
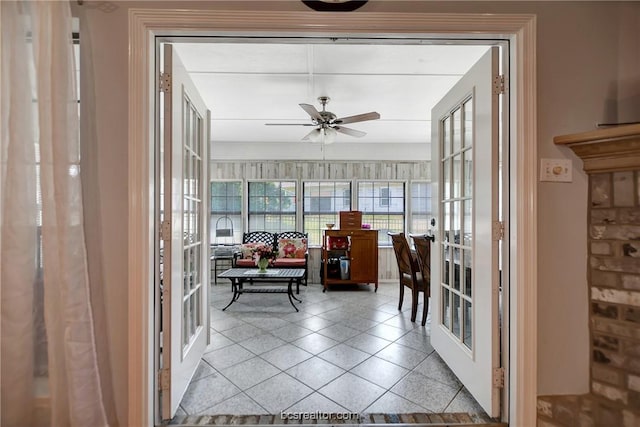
(262, 253)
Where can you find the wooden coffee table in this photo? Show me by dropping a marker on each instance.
(263, 282)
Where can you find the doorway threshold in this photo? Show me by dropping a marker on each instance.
(459, 419)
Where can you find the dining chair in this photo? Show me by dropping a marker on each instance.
(422, 243)
(410, 276)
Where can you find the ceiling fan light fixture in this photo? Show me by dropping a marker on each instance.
(329, 136)
(324, 135)
(315, 135)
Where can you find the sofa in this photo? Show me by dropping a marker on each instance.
(291, 246)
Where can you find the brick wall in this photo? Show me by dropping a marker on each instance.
(614, 281)
(614, 293)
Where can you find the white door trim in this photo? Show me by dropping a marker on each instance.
(145, 24)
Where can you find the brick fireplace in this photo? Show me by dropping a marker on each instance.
(611, 157)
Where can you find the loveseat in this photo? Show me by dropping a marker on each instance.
(291, 246)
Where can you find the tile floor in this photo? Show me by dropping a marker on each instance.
(345, 351)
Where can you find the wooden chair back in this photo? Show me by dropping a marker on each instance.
(407, 266)
(422, 243)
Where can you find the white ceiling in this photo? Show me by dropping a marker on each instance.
(247, 85)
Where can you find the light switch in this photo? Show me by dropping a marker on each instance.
(556, 170)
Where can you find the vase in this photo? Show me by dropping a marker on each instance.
(262, 265)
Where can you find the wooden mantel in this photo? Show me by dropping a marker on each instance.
(606, 150)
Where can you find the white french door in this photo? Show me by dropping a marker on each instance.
(185, 287)
(465, 259)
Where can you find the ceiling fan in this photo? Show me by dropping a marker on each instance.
(328, 124)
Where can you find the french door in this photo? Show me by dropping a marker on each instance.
(465, 259)
(184, 231)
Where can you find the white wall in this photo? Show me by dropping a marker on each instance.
(587, 73)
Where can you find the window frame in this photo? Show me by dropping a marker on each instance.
(384, 199)
(336, 213)
(410, 206)
(383, 240)
(237, 232)
(299, 214)
(294, 214)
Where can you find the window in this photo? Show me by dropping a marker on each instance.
(272, 206)
(384, 197)
(383, 206)
(420, 207)
(226, 212)
(322, 200)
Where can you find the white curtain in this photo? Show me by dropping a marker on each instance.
(40, 128)
(18, 236)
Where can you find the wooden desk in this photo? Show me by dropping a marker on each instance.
(239, 276)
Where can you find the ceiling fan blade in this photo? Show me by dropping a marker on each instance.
(290, 124)
(311, 110)
(357, 118)
(349, 131)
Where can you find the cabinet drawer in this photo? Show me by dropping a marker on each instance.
(350, 220)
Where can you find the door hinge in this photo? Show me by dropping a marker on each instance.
(165, 230)
(498, 230)
(498, 377)
(164, 84)
(164, 380)
(499, 86)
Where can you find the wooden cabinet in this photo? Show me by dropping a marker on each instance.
(359, 248)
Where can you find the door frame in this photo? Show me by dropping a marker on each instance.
(519, 29)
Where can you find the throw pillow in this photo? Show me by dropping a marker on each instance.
(292, 248)
(247, 249)
(338, 242)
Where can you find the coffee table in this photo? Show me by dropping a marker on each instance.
(240, 276)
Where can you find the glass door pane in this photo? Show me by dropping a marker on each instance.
(456, 208)
(192, 212)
